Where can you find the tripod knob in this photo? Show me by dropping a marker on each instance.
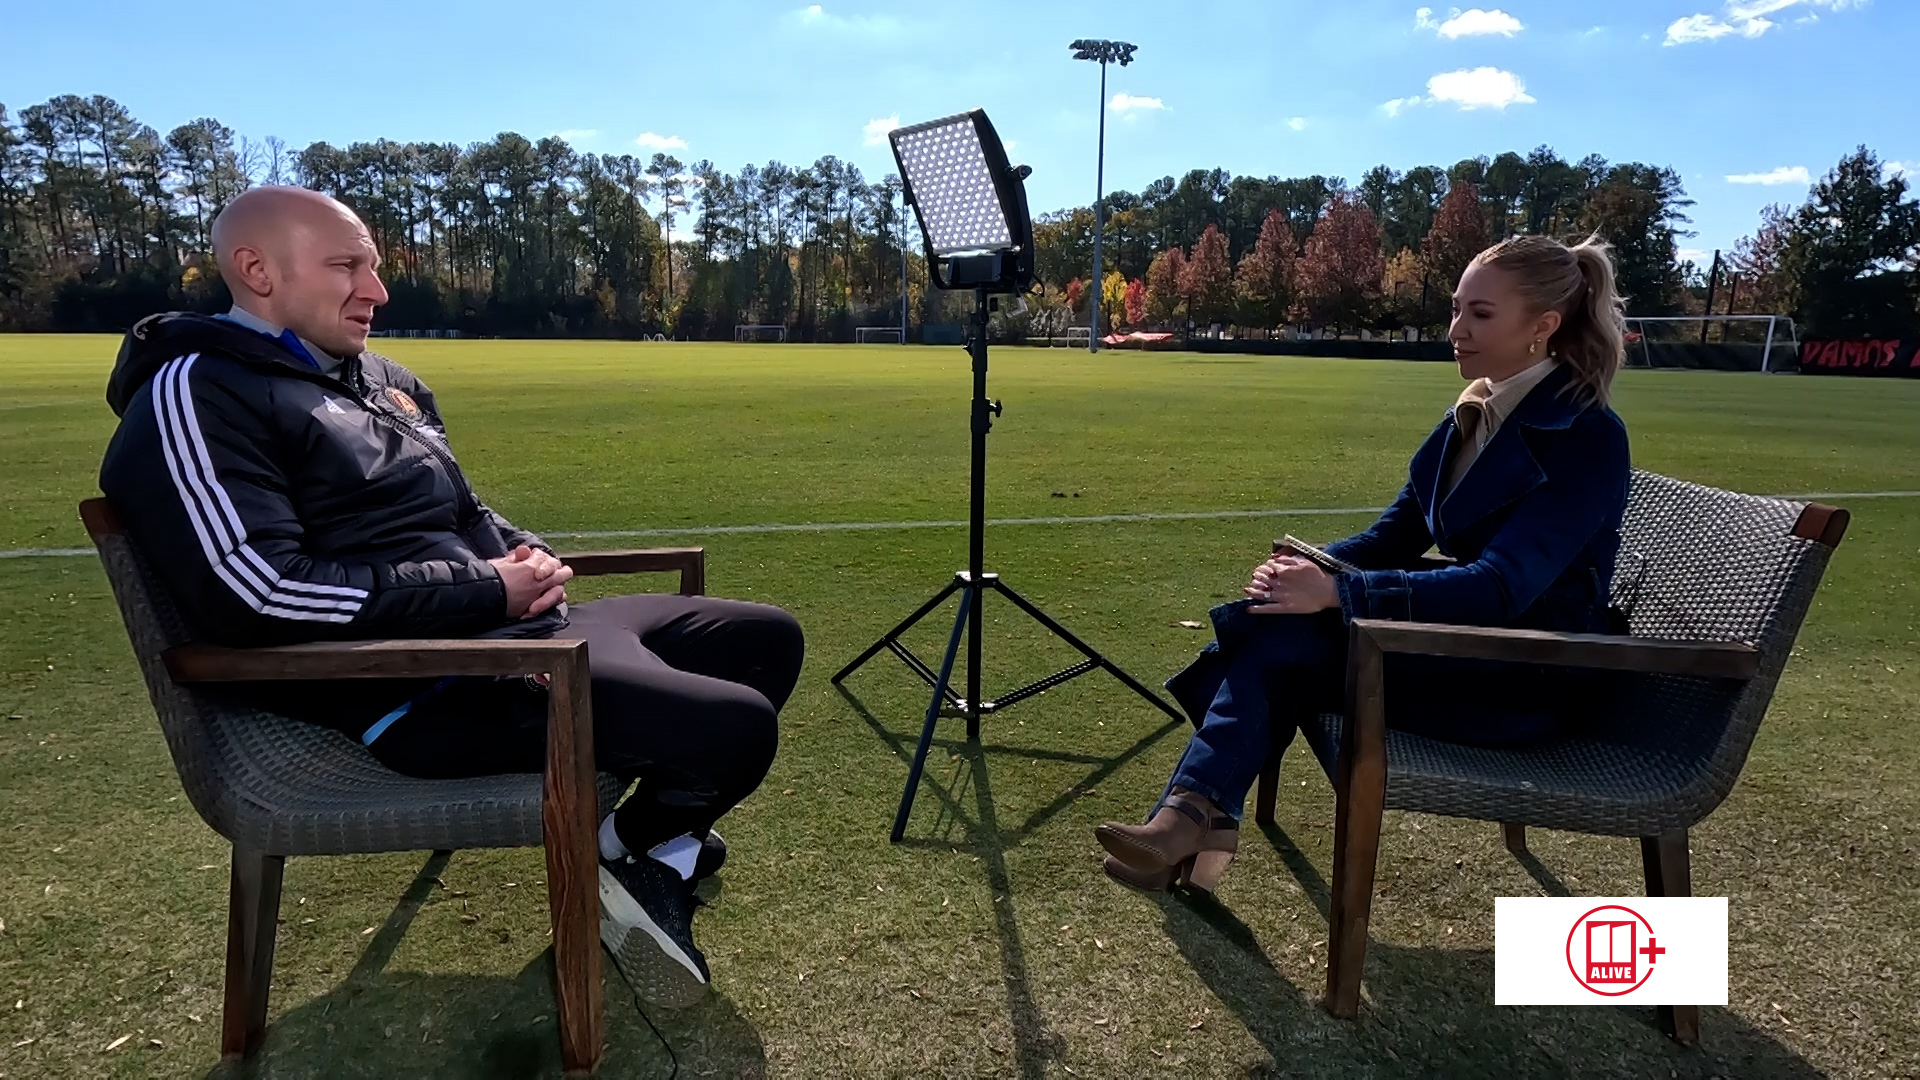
(995, 406)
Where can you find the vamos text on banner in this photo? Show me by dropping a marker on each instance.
(1586, 950)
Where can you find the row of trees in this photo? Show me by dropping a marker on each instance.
(104, 219)
(1218, 249)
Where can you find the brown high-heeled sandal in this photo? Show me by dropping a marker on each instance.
(1188, 841)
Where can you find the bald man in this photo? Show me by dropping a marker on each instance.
(290, 486)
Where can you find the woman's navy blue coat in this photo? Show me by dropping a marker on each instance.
(1533, 527)
(1533, 530)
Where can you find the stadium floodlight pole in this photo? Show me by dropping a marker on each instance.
(903, 262)
(972, 207)
(1117, 52)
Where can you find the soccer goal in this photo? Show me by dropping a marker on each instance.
(877, 335)
(1764, 343)
(760, 333)
(1076, 337)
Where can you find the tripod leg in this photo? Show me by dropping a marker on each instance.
(1086, 650)
(933, 715)
(938, 599)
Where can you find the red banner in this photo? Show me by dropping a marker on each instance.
(1882, 356)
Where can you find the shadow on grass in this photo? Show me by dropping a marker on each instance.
(1427, 1011)
(381, 1023)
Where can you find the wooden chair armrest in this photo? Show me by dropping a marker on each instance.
(395, 658)
(1707, 659)
(691, 562)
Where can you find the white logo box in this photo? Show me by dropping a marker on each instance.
(1599, 950)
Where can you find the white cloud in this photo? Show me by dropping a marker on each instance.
(1908, 169)
(1127, 103)
(660, 142)
(1747, 18)
(877, 128)
(1009, 145)
(1475, 22)
(576, 134)
(1795, 174)
(1423, 20)
(1394, 107)
(817, 17)
(1298, 123)
(1479, 88)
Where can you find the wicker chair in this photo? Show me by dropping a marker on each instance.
(276, 787)
(1715, 586)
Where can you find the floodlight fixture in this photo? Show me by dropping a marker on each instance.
(972, 207)
(970, 201)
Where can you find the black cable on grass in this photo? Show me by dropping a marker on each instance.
(672, 1058)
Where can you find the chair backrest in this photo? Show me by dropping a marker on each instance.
(1700, 564)
(188, 718)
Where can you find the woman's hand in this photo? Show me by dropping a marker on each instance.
(1290, 585)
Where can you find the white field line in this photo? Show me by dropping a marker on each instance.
(1091, 519)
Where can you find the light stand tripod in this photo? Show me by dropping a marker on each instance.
(972, 584)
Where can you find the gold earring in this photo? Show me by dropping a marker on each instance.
(1532, 348)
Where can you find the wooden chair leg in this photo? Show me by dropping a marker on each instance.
(1516, 837)
(1669, 872)
(569, 811)
(253, 912)
(1360, 796)
(1268, 790)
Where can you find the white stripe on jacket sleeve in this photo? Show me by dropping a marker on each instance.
(217, 525)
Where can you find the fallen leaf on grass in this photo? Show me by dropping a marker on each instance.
(367, 931)
(117, 1043)
(1098, 944)
(3, 926)
(1102, 1022)
(209, 866)
(195, 1017)
(1189, 624)
(156, 1043)
(1195, 1026)
(304, 922)
(469, 918)
(26, 1042)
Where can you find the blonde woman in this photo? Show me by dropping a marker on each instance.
(1522, 486)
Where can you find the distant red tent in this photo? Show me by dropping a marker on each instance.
(1138, 338)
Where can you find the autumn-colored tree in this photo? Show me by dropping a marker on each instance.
(1207, 279)
(1403, 287)
(1136, 303)
(1459, 233)
(1264, 279)
(1076, 290)
(1113, 299)
(1340, 272)
(1163, 284)
(1759, 263)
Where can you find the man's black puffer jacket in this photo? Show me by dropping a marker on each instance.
(282, 505)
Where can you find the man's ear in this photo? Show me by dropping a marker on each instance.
(250, 271)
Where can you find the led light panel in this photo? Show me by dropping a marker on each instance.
(947, 171)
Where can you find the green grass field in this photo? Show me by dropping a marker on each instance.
(989, 943)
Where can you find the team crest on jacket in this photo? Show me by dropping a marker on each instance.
(404, 403)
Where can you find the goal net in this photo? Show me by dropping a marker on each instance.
(1765, 343)
(760, 333)
(877, 335)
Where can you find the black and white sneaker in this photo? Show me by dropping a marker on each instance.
(646, 920)
(706, 867)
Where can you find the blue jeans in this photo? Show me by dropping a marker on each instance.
(1264, 675)
(1275, 666)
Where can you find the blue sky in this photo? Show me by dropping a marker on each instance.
(1729, 92)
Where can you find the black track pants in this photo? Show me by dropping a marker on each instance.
(686, 691)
